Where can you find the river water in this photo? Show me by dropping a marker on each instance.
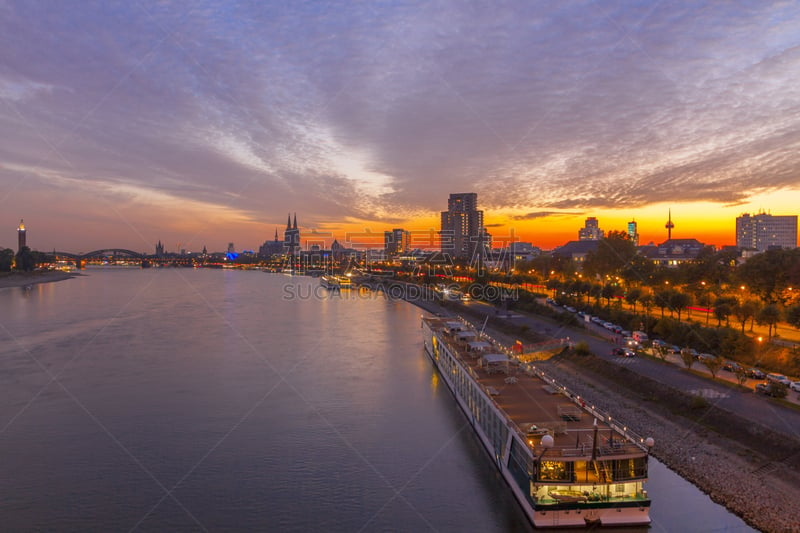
(177, 399)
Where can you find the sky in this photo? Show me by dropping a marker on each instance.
(202, 123)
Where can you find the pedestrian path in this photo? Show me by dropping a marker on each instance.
(709, 394)
(625, 361)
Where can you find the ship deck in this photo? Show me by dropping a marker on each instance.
(537, 404)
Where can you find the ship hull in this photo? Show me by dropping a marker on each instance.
(566, 512)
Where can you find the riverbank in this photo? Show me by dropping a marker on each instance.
(765, 494)
(22, 279)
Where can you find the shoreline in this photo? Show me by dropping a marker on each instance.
(719, 467)
(9, 280)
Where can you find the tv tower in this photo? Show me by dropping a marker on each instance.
(669, 225)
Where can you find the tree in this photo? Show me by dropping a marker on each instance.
(661, 300)
(678, 300)
(741, 374)
(632, 297)
(661, 350)
(596, 292)
(6, 259)
(706, 300)
(793, 315)
(613, 253)
(647, 303)
(770, 273)
(769, 316)
(723, 307)
(686, 357)
(713, 364)
(25, 261)
(609, 291)
(744, 311)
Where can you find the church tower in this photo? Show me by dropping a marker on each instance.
(291, 236)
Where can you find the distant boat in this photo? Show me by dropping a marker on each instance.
(334, 282)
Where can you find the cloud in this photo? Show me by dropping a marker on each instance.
(375, 113)
(545, 214)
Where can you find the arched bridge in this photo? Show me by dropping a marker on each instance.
(101, 253)
(80, 259)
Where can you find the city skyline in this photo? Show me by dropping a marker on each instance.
(200, 124)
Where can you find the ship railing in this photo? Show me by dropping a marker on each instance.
(531, 369)
(622, 429)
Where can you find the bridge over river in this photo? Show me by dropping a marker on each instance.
(114, 253)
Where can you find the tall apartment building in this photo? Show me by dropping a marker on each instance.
(763, 231)
(462, 231)
(590, 231)
(395, 242)
(633, 232)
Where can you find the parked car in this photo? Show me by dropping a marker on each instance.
(659, 342)
(570, 309)
(779, 378)
(705, 357)
(731, 366)
(755, 373)
(795, 386)
(766, 389)
(623, 352)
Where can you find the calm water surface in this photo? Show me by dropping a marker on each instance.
(172, 399)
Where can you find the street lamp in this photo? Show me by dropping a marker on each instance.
(758, 354)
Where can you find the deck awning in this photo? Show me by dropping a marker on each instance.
(464, 335)
(478, 345)
(495, 358)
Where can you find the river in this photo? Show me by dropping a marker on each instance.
(179, 399)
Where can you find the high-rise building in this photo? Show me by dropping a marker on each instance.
(590, 231)
(291, 236)
(21, 236)
(462, 232)
(395, 242)
(633, 232)
(763, 231)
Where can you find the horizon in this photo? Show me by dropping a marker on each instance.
(373, 238)
(202, 124)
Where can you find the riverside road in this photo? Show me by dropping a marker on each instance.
(601, 342)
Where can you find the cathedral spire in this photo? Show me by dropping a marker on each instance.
(276, 234)
(289, 221)
(295, 221)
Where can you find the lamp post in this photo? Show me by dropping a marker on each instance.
(760, 339)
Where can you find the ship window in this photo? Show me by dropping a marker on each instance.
(555, 471)
(630, 468)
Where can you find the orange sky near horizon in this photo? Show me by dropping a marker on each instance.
(707, 222)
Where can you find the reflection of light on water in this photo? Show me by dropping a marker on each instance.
(434, 382)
